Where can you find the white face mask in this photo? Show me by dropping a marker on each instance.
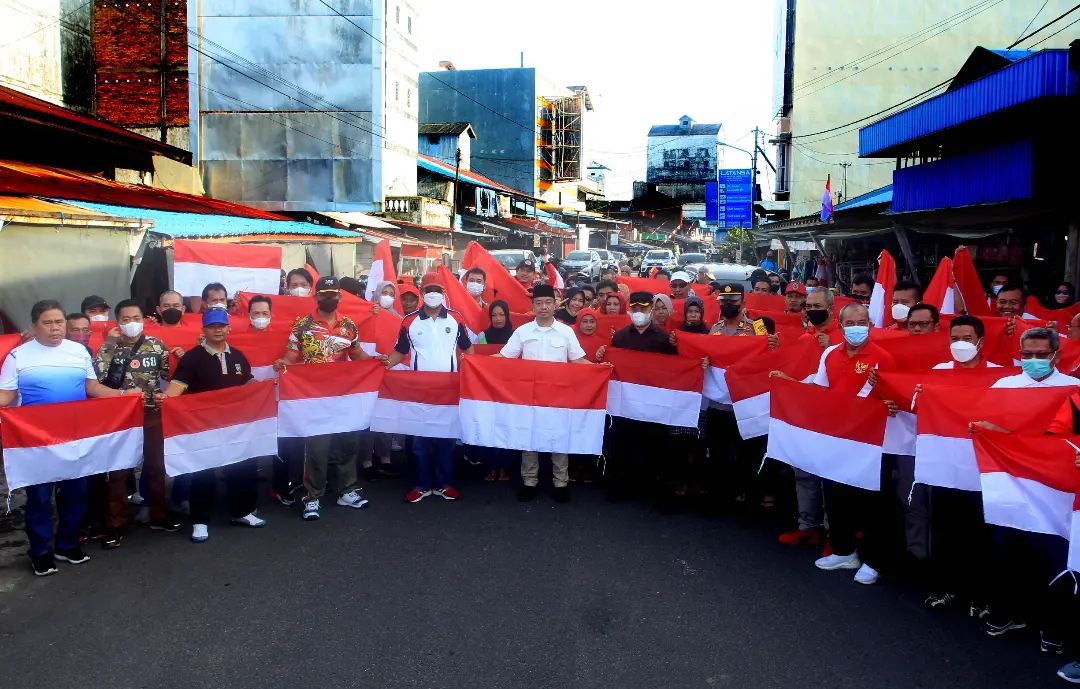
(963, 351)
(386, 301)
(475, 288)
(99, 318)
(639, 319)
(132, 329)
(300, 291)
(260, 322)
(433, 300)
(900, 312)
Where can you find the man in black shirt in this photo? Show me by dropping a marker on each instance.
(637, 443)
(214, 365)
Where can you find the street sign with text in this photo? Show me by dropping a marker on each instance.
(729, 200)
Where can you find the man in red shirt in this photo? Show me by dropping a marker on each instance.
(820, 324)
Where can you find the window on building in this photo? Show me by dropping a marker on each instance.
(397, 90)
(397, 14)
(409, 21)
(408, 98)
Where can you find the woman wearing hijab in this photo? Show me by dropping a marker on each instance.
(575, 302)
(614, 304)
(586, 330)
(694, 316)
(501, 329)
(661, 312)
(387, 297)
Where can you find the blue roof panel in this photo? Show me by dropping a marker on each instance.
(1042, 75)
(870, 198)
(194, 225)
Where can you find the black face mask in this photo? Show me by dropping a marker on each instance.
(171, 316)
(817, 316)
(862, 300)
(328, 305)
(730, 310)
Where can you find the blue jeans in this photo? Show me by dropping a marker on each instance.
(434, 462)
(70, 508)
(496, 458)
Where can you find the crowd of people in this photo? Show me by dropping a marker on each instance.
(935, 534)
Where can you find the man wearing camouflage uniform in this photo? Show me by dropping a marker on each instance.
(132, 361)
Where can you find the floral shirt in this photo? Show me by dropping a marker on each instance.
(318, 343)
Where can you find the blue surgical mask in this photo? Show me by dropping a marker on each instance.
(856, 334)
(1037, 368)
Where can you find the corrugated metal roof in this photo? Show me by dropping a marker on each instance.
(692, 130)
(194, 225)
(445, 169)
(1042, 75)
(455, 128)
(870, 198)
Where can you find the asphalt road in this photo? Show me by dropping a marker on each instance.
(486, 592)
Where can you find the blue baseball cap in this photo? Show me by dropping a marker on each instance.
(215, 317)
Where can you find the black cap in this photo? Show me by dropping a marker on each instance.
(350, 285)
(92, 301)
(543, 291)
(730, 289)
(527, 263)
(327, 284)
(641, 297)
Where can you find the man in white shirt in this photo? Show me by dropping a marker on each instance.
(1038, 358)
(966, 335)
(544, 339)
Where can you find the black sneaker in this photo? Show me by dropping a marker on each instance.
(978, 611)
(526, 493)
(561, 495)
(386, 471)
(169, 525)
(112, 539)
(939, 601)
(43, 565)
(73, 555)
(998, 628)
(1050, 645)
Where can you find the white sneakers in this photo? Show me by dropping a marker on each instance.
(199, 533)
(311, 510)
(351, 499)
(251, 520)
(831, 562)
(866, 575)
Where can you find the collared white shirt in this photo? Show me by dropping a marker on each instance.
(1057, 379)
(952, 364)
(556, 342)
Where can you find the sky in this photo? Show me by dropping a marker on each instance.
(643, 65)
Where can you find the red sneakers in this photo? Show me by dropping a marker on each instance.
(448, 493)
(416, 495)
(801, 537)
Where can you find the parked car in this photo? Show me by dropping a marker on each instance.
(582, 261)
(510, 258)
(657, 258)
(607, 259)
(687, 259)
(620, 257)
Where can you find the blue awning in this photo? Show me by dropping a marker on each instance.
(1042, 75)
(195, 225)
(870, 198)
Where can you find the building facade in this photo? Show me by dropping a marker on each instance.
(839, 61)
(301, 108)
(46, 51)
(683, 158)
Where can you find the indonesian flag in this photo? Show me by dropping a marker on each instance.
(659, 388)
(637, 284)
(262, 348)
(1030, 482)
(533, 405)
(553, 277)
(8, 343)
(45, 443)
(881, 297)
(944, 452)
(766, 302)
(826, 200)
(750, 387)
(459, 299)
(247, 267)
(969, 286)
(722, 353)
(320, 399)
(827, 433)
(941, 292)
(207, 430)
(382, 270)
(420, 403)
(500, 283)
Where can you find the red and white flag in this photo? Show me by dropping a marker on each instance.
(262, 348)
(44, 443)
(722, 352)
(970, 287)
(941, 292)
(500, 283)
(420, 403)
(459, 299)
(207, 430)
(881, 297)
(750, 387)
(240, 267)
(382, 270)
(1029, 481)
(554, 278)
(533, 405)
(659, 388)
(842, 444)
(320, 399)
(944, 451)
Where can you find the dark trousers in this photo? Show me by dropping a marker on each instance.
(240, 482)
(434, 462)
(97, 502)
(289, 466)
(851, 509)
(733, 462)
(960, 543)
(152, 481)
(70, 508)
(639, 447)
(497, 458)
(1021, 568)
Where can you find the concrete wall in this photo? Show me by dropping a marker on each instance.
(830, 34)
(681, 159)
(45, 51)
(333, 139)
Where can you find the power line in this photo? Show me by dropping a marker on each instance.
(1074, 22)
(879, 112)
(58, 21)
(1045, 3)
(1053, 21)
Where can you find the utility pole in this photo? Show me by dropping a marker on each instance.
(454, 199)
(844, 167)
